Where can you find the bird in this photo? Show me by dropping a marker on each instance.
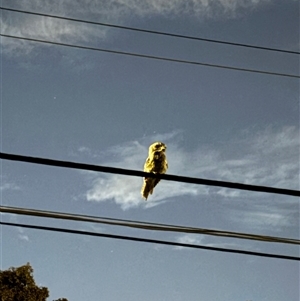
(155, 163)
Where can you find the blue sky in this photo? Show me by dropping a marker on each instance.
(106, 109)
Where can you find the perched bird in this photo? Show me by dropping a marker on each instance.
(156, 163)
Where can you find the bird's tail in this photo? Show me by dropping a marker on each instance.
(147, 187)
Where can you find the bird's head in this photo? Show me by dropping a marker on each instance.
(157, 147)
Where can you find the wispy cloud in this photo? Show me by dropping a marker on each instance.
(13, 218)
(8, 186)
(45, 29)
(201, 240)
(269, 157)
(275, 216)
(22, 235)
(189, 239)
(116, 11)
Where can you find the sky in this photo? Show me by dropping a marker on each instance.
(106, 109)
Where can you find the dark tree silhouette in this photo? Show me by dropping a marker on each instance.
(17, 284)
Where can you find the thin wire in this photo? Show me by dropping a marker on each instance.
(151, 31)
(137, 173)
(152, 57)
(152, 241)
(144, 225)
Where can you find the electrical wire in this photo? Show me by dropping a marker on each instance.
(151, 31)
(137, 173)
(160, 58)
(152, 241)
(144, 225)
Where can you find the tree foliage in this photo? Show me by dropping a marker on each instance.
(17, 284)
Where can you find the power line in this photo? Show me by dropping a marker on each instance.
(152, 31)
(152, 241)
(144, 225)
(160, 58)
(137, 173)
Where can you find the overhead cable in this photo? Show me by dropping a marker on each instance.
(152, 241)
(160, 58)
(144, 225)
(151, 31)
(137, 173)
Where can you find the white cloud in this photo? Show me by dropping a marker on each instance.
(267, 218)
(84, 149)
(188, 239)
(115, 11)
(262, 217)
(21, 235)
(269, 157)
(200, 240)
(259, 163)
(13, 218)
(44, 29)
(8, 186)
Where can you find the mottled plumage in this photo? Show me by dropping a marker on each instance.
(156, 163)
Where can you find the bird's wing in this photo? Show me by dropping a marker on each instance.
(147, 165)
